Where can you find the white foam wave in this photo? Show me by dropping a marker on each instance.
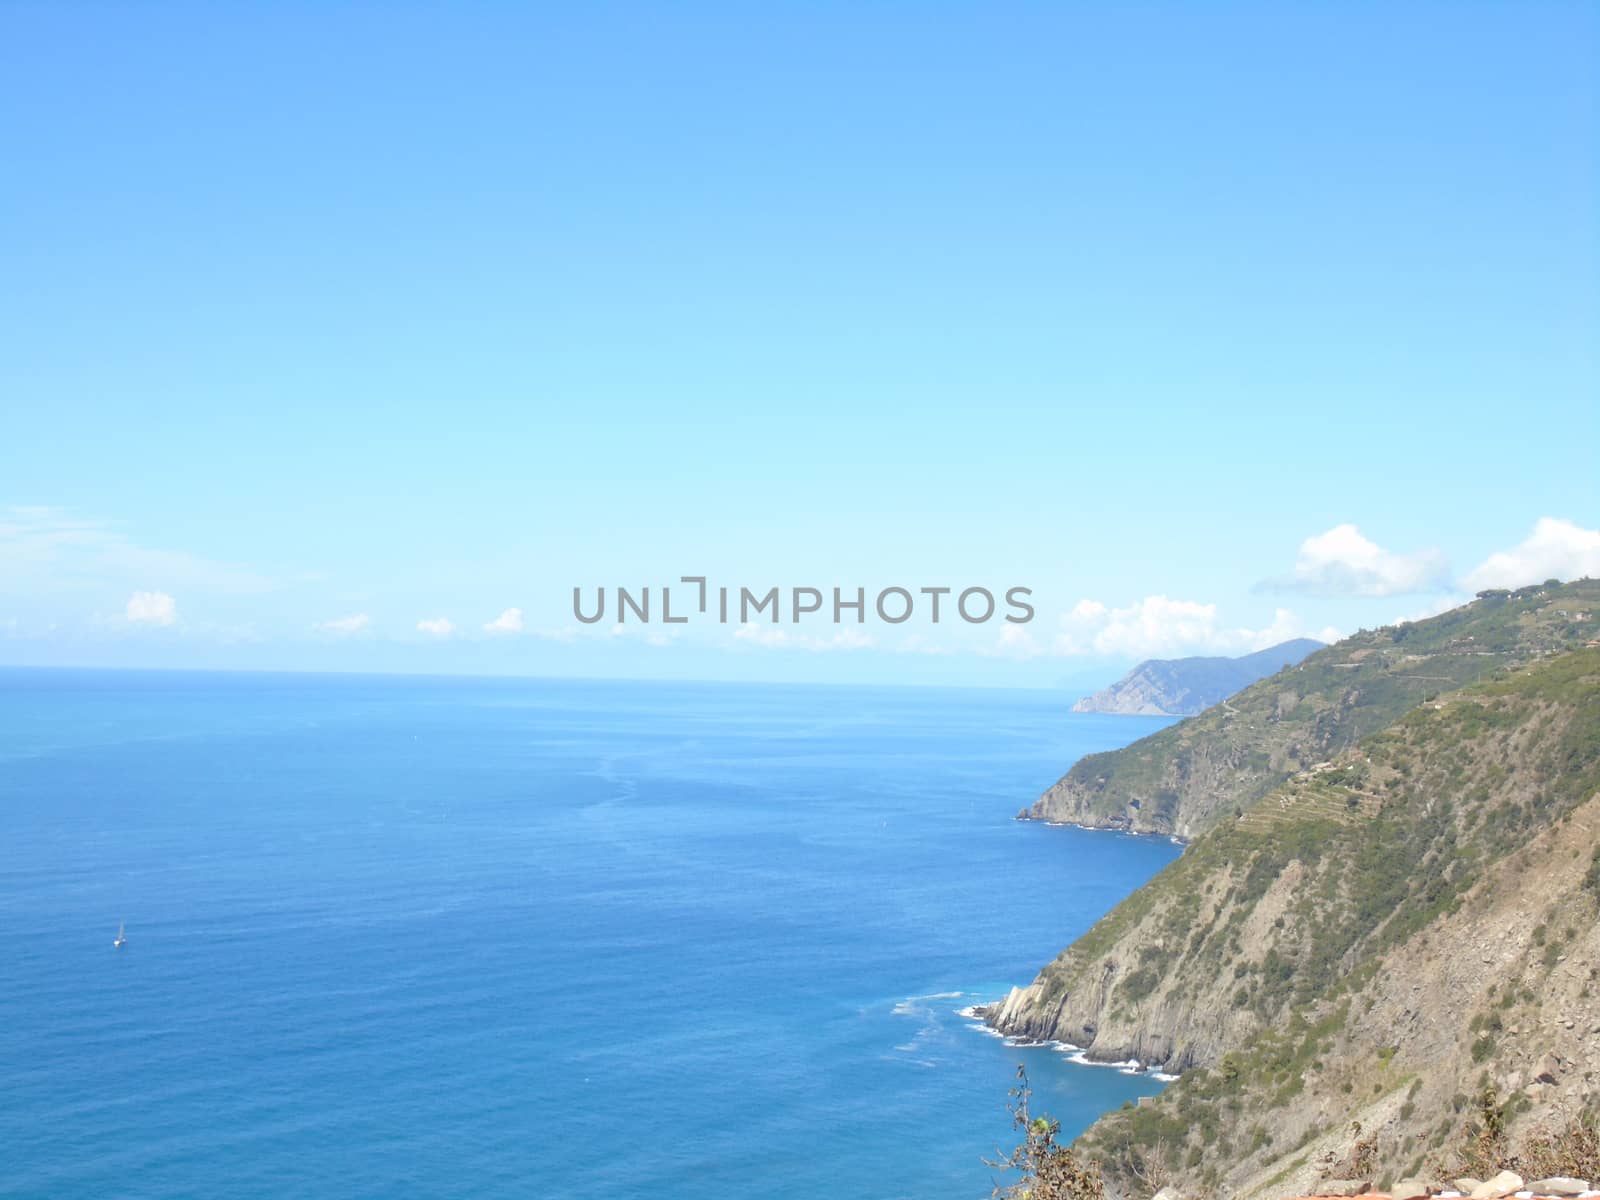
(1075, 1054)
(912, 1004)
(1129, 1066)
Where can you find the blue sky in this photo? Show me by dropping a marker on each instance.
(324, 321)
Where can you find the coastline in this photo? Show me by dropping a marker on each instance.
(978, 1016)
(1056, 823)
(990, 1017)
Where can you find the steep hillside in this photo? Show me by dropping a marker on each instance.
(1180, 687)
(1188, 775)
(1344, 966)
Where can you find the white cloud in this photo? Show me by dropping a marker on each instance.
(437, 626)
(345, 625)
(151, 608)
(764, 635)
(1161, 627)
(44, 549)
(509, 621)
(1154, 625)
(1556, 549)
(917, 644)
(755, 635)
(650, 635)
(1017, 642)
(1087, 611)
(1342, 562)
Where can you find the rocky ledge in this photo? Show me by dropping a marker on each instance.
(1505, 1184)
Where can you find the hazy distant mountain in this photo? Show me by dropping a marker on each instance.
(1181, 687)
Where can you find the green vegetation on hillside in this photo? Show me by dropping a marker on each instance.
(1384, 842)
(1402, 826)
(1212, 766)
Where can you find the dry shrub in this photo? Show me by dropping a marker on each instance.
(1483, 1151)
(1048, 1170)
(1568, 1148)
(1360, 1162)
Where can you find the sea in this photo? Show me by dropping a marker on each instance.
(395, 937)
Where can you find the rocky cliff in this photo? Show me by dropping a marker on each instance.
(1181, 687)
(1186, 777)
(1346, 966)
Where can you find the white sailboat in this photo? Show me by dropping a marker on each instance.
(122, 935)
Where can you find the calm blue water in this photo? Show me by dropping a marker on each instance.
(427, 937)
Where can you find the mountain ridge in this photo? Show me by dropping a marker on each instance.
(1181, 779)
(1380, 956)
(1179, 687)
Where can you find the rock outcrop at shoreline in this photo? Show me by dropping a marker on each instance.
(1359, 965)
